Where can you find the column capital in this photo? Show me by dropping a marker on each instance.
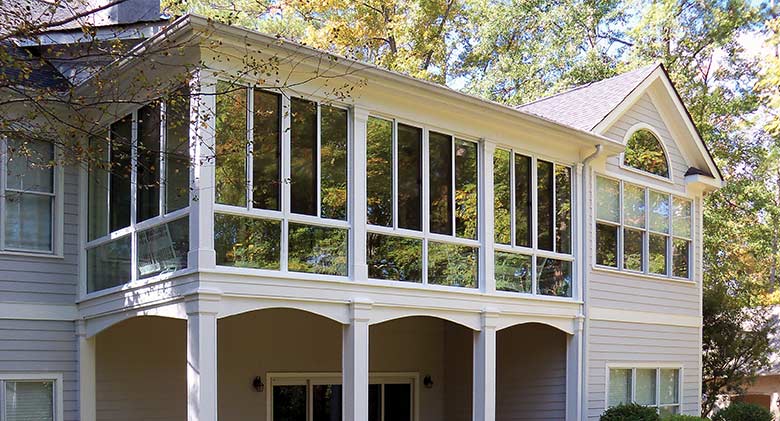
(203, 301)
(360, 309)
(81, 328)
(489, 318)
(359, 113)
(489, 145)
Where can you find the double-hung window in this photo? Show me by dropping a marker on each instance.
(657, 387)
(422, 192)
(29, 193)
(281, 182)
(28, 398)
(533, 232)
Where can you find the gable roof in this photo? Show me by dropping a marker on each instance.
(585, 106)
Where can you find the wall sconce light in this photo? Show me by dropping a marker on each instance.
(257, 384)
(428, 381)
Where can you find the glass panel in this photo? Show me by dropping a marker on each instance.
(326, 400)
(394, 258)
(398, 402)
(659, 212)
(670, 385)
(148, 163)
(289, 403)
(619, 386)
(502, 197)
(28, 221)
(30, 166)
(681, 218)
(97, 191)
(177, 150)
(466, 189)
(666, 411)
(163, 249)
(247, 242)
(680, 265)
(440, 183)
(633, 249)
(375, 402)
(231, 143)
(29, 401)
(513, 272)
(108, 265)
(303, 156)
(606, 245)
(522, 200)
(563, 209)
(452, 265)
(333, 159)
(409, 177)
(633, 205)
(607, 199)
(657, 254)
(644, 393)
(119, 191)
(266, 150)
(644, 152)
(379, 171)
(545, 206)
(553, 277)
(315, 249)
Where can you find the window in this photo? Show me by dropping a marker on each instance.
(645, 153)
(317, 397)
(29, 191)
(138, 192)
(642, 230)
(408, 240)
(658, 387)
(281, 193)
(532, 224)
(28, 399)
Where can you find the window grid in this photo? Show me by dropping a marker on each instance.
(658, 405)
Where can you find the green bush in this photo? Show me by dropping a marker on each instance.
(684, 418)
(630, 412)
(743, 412)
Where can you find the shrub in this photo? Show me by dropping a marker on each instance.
(684, 418)
(743, 412)
(630, 412)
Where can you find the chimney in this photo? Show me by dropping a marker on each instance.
(124, 12)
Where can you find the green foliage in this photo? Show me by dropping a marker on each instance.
(630, 412)
(743, 412)
(684, 418)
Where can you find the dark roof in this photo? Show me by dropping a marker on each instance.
(29, 70)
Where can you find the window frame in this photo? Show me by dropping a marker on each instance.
(534, 252)
(57, 394)
(425, 235)
(646, 231)
(57, 206)
(648, 366)
(621, 162)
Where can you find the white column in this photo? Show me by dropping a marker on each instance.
(485, 369)
(486, 219)
(87, 374)
(355, 363)
(574, 374)
(202, 357)
(357, 190)
(202, 150)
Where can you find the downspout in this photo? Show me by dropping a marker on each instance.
(584, 227)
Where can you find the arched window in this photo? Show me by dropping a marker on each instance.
(644, 152)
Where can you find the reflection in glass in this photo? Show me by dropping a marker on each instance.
(247, 242)
(466, 189)
(513, 272)
(314, 249)
(619, 386)
(177, 150)
(670, 386)
(97, 190)
(30, 165)
(409, 177)
(606, 245)
(680, 257)
(379, 171)
(452, 265)
(553, 277)
(633, 205)
(119, 192)
(681, 218)
(266, 150)
(523, 200)
(333, 163)
(607, 199)
(633, 247)
(230, 144)
(659, 212)
(644, 152)
(644, 393)
(303, 156)
(563, 209)
(108, 265)
(544, 206)
(148, 162)
(440, 183)
(394, 258)
(502, 197)
(28, 218)
(326, 402)
(657, 254)
(289, 403)
(163, 249)
(28, 400)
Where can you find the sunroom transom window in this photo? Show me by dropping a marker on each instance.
(138, 195)
(281, 182)
(422, 192)
(642, 230)
(533, 233)
(645, 152)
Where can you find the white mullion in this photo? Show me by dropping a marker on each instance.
(512, 204)
(133, 196)
(669, 235)
(425, 211)
(646, 236)
(285, 198)
(250, 147)
(395, 174)
(633, 385)
(621, 228)
(658, 389)
(162, 179)
(3, 415)
(452, 186)
(317, 162)
(533, 218)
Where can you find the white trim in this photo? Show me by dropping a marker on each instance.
(55, 377)
(38, 311)
(644, 317)
(657, 366)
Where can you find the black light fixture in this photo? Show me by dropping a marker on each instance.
(257, 383)
(428, 381)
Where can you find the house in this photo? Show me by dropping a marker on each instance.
(289, 235)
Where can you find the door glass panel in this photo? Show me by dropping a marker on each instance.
(375, 402)
(398, 402)
(326, 401)
(289, 403)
